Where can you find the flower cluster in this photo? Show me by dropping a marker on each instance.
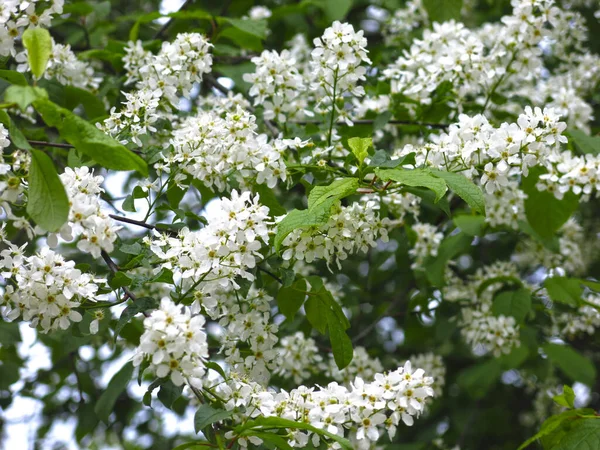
(174, 344)
(336, 63)
(299, 355)
(349, 229)
(10, 184)
(362, 366)
(505, 207)
(586, 320)
(367, 409)
(88, 220)
(433, 365)
(427, 243)
(277, 85)
(170, 73)
(44, 289)
(475, 147)
(17, 15)
(211, 148)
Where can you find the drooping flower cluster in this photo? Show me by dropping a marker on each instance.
(585, 320)
(217, 144)
(474, 146)
(505, 207)
(43, 289)
(336, 63)
(170, 73)
(504, 58)
(17, 15)
(570, 255)
(481, 329)
(10, 184)
(225, 248)
(278, 86)
(365, 409)
(174, 344)
(299, 356)
(88, 220)
(427, 243)
(433, 365)
(350, 229)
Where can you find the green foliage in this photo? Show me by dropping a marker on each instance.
(207, 415)
(513, 303)
(415, 177)
(115, 388)
(291, 298)
(572, 363)
(23, 96)
(443, 10)
(360, 147)
(88, 139)
(47, 204)
(320, 202)
(545, 213)
(465, 189)
(38, 43)
(564, 290)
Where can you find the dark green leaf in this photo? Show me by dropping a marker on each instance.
(513, 303)
(47, 204)
(168, 393)
(207, 415)
(290, 299)
(139, 305)
(341, 345)
(573, 364)
(443, 10)
(465, 189)
(471, 225)
(13, 77)
(564, 290)
(117, 385)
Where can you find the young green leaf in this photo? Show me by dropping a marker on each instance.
(38, 43)
(360, 147)
(567, 398)
(415, 177)
(23, 96)
(88, 139)
(465, 189)
(47, 203)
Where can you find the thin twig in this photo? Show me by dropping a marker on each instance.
(114, 269)
(170, 21)
(373, 324)
(141, 223)
(73, 358)
(271, 274)
(440, 126)
(50, 144)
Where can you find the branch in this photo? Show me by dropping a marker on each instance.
(50, 144)
(440, 126)
(212, 81)
(114, 269)
(271, 274)
(140, 223)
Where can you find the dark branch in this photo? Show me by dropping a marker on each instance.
(50, 144)
(440, 126)
(271, 274)
(114, 269)
(141, 223)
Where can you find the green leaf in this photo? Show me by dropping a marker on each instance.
(257, 28)
(207, 415)
(450, 247)
(38, 43)
(573, 364)
(381, 158)
(164, 276)
(268, 198)
(320, 201)
(88, 139)
(13, 77)
(16, 137)
(567, 398)
(24, 96)
(443, 10)
(564, 290)
(552, 424)
(274, 423)
(168, 393)
(47, 203)
(119, 280)
(139, 305)
(583, 435)
(545, 213)
(478, 379)
(585, 143)
(290, 299)
(334, 10)
(513, 303)
(279, 442)
(117, 385)
(341, 345)
(465, 189)
(316, 313)
(416, 177)
(129, 204)
(360, 147)
(470, 225)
